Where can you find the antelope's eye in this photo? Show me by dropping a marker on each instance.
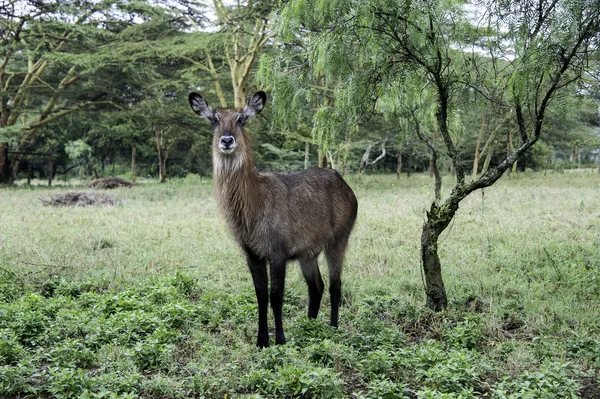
(216, 120)
(238, 119)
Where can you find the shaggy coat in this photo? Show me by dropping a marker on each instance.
(276, 218)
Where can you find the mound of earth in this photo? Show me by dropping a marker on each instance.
(79, 198)
(110, 183)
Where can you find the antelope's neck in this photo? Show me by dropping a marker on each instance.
(237, 189)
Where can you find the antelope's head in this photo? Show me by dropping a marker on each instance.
(229, 135)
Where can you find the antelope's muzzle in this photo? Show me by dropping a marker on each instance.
(227, 144)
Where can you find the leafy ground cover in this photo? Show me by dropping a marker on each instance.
(151, 298)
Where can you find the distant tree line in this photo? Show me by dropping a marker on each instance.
(97, 88)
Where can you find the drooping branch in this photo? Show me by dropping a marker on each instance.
(65, 112)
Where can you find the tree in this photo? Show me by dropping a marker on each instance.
(244, 34)
(59, 57)
(31, 31)
(522, 59)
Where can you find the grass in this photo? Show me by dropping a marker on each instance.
(151, 298)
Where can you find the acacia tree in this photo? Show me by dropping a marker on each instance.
(243, 35)
(521, 60)
(59, 57)
(33, 94)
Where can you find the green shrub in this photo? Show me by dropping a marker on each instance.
(434, 394)
(294, 381)
(585, 348)
(151, 355)
(10, 286)
(71, 353)
(119, 382)
(386, 389)
(10, 349)
(553, 380)
(378, 363)
(67, 383)
(16, 379)
(327, 353)
(160, 386)
(466, 334)
(446, 371)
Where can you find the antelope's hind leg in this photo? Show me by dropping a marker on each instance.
(310, 271)
(335, 261)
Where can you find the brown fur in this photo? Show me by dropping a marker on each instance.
(277, 218)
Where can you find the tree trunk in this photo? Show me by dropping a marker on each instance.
(598, 159)
(364, 162)
(329, 159)
(476, 157)
(345, 160)
(133, 151)
(399, 164)
(509, 147)
(432, 269)
(29, 173)
(438, 218)
(488, 158)
(4, 164)
(50, 167)
(306, 154)
(162, 153)
(322, 159)
(437, 189)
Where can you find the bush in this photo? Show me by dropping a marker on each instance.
(10, 349)
(294, 381)
(553, 380)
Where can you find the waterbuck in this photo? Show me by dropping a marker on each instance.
(276, 218)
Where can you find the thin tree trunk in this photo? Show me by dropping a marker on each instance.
(322, 159)
(4, 164)
(162, 153)
(437, 189)
(509, 147)
(364, 162)
(399, 164)
(50, 167)
(329, 156)
(512, 148)
(489, 147)
(345, 160)
(306, 154)
(133, 151)
(488, 159)
(598, 159)
(29, 173)
(476, 157)
(431, 146)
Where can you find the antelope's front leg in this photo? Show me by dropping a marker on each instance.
(277, 286)
(258, 268)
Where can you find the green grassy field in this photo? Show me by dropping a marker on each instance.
(151, 298)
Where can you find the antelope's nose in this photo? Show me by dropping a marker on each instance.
(227, 141)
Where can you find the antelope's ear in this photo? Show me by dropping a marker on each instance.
(255, 105)
(201, 107)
